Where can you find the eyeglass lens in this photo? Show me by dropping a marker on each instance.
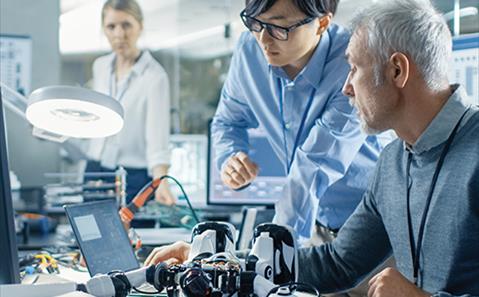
(256, 26)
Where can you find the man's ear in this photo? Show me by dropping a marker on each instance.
(398, 69)
(324, 23)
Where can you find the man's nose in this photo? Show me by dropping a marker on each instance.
(264, 37)
(348, 88)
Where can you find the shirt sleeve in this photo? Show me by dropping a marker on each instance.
(324, 158)
(233, 115)
(158, 122)
(362, 244)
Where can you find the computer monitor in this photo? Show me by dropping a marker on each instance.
(266, 189)
(464, 68)
(9, 272)
(188, 166)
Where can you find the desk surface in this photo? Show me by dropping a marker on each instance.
(64, 237)
(162, 236)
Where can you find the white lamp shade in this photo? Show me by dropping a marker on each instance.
(74, 112)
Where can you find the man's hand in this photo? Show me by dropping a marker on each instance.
(163, 194)
(391, 283)
(239, 171)
(175, 253)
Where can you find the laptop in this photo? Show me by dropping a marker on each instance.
(102, 237)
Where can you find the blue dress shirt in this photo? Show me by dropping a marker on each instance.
(310, 124)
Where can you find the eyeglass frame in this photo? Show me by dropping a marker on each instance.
(268, 26)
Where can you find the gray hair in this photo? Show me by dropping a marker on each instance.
(130, 7)
(412, 27)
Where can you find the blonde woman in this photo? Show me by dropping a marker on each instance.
(140, 84)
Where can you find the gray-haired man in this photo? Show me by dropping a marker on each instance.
(422, 205)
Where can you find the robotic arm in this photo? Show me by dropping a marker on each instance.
(213, 269)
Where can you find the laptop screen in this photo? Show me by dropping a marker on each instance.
(101, 236)
(266, 189)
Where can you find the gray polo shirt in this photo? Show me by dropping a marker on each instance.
(449, 258)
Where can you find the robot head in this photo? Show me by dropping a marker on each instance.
(274, 254)
(209, 238)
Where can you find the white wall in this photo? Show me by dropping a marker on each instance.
(30, 157)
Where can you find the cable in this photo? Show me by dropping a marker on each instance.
(293, 286)
(184, 194)
(145, 292)
(127, 213)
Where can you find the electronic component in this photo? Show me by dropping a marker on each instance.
(217, 275)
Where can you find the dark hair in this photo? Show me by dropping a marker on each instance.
(312, 8)
(130, 7)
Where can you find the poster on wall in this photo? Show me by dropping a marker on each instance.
(16, 66)
(465, 64)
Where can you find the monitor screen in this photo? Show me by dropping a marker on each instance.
(101, 236)
(266, 189)
(464, 66)
(188, 166)
(9, 272)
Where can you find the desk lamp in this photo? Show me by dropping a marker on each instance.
(61, 111)
(74, 112)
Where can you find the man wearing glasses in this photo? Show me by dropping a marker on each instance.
(286, 77)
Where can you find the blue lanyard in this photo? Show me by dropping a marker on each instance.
(301, 126)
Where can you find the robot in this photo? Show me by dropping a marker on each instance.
(213, 270)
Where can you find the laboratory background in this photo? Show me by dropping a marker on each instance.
(51, 43)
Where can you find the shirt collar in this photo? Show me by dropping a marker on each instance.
(442, 125)
(140, 65)
(313, 70)
(142, 62)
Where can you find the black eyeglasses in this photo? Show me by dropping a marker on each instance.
(277, 32)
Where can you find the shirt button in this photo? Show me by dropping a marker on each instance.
(287, 126)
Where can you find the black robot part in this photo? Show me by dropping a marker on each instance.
(275, 231)
(280, 235)
(196, 283)
(222, 232)
(162, 276)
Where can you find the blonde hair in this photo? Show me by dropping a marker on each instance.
(130, 7)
